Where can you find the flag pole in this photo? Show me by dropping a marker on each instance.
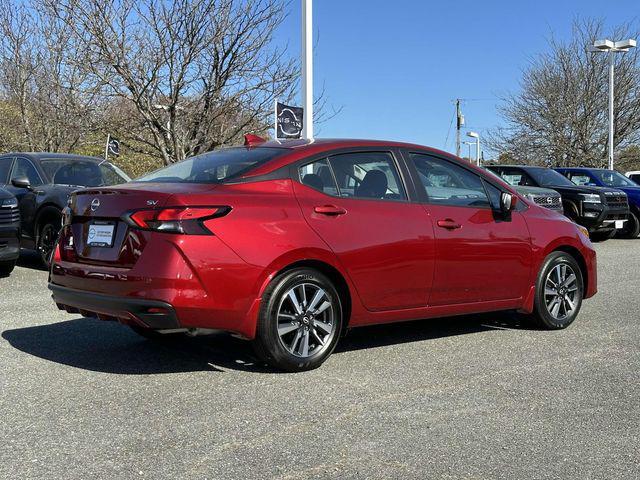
(106, 148)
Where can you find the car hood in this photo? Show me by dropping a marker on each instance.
(583, 189)
(534, 190)
(4, 194)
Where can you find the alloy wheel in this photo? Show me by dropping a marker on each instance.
(306, 324)
(47, 243)
(561, 291)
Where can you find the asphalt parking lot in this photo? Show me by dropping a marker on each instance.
(473, 397)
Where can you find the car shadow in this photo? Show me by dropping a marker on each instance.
(109, 347)
(31, 259)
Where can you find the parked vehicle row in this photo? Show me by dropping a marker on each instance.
(597, 177)
(602, 210)
(42, 183)
(287, 244)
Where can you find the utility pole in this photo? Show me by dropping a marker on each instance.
(459, 125)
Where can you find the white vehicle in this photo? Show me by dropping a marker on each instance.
(634, 175)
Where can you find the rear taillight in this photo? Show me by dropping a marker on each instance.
(186, 220)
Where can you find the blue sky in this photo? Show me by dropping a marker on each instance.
(396, 67)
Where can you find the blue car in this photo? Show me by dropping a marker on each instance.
(600, 177)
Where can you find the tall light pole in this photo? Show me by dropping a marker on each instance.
(468, 144)
(307, 68)
(611, 47)
(477, 137)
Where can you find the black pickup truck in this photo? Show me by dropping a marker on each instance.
(9, 232)
(600, 210)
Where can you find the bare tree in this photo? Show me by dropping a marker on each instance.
(52, 100)
(559, 117)
(198, 73)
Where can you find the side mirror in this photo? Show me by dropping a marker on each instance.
(508, 202)
(21, 182)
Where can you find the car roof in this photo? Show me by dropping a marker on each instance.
(516, 166)
(53, 156)
(301, 148)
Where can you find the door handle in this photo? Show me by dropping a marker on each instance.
(329, 210)
(448, 224)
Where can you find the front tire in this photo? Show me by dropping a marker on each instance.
(6, 268)
(631, 227)
(559, 292)
(299, 322)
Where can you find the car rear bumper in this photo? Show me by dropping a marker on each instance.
(146, 313)
(197, 280)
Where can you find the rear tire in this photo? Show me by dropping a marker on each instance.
(631, 227)
(299, 322)
(47, 238)
(7, 267)
(559, 292)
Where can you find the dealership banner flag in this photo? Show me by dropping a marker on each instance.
(114, 146)
(288, 121)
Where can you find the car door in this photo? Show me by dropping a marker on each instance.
(356, 202)
(481, 255)
(23, 167)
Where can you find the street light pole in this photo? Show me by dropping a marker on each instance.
(307, 68)
(611, 85)
(477, 137)
(610, 47)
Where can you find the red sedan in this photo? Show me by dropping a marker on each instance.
(289, 244)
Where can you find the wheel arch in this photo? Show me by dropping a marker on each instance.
(45, 212)
(577, 256)
(332, 274)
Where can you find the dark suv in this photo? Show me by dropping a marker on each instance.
(600, 177)
(9, 232)
(42, 183)
(600, 210)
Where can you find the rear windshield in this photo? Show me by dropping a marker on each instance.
(82, 173)
(214, 167)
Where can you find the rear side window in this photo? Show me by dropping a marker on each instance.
(517, 177)
(5, 167)
(318, 175)
(635, 178)
(580, 179)
(370, 175)
(214, 167)
(446, 183)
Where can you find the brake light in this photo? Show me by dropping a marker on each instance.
(186, 220)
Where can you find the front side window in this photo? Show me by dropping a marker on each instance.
(218, 166)
(370, 175)
(448, 184)
(82, 173)
(516, 177)
(614, 179)
(24, 168)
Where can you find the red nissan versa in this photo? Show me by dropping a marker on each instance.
(288, 244)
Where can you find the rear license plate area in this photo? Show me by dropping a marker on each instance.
(101, 234)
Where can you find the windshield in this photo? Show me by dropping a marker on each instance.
(214, 167)
(82, 173)
(545, 177)
(611, 178)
